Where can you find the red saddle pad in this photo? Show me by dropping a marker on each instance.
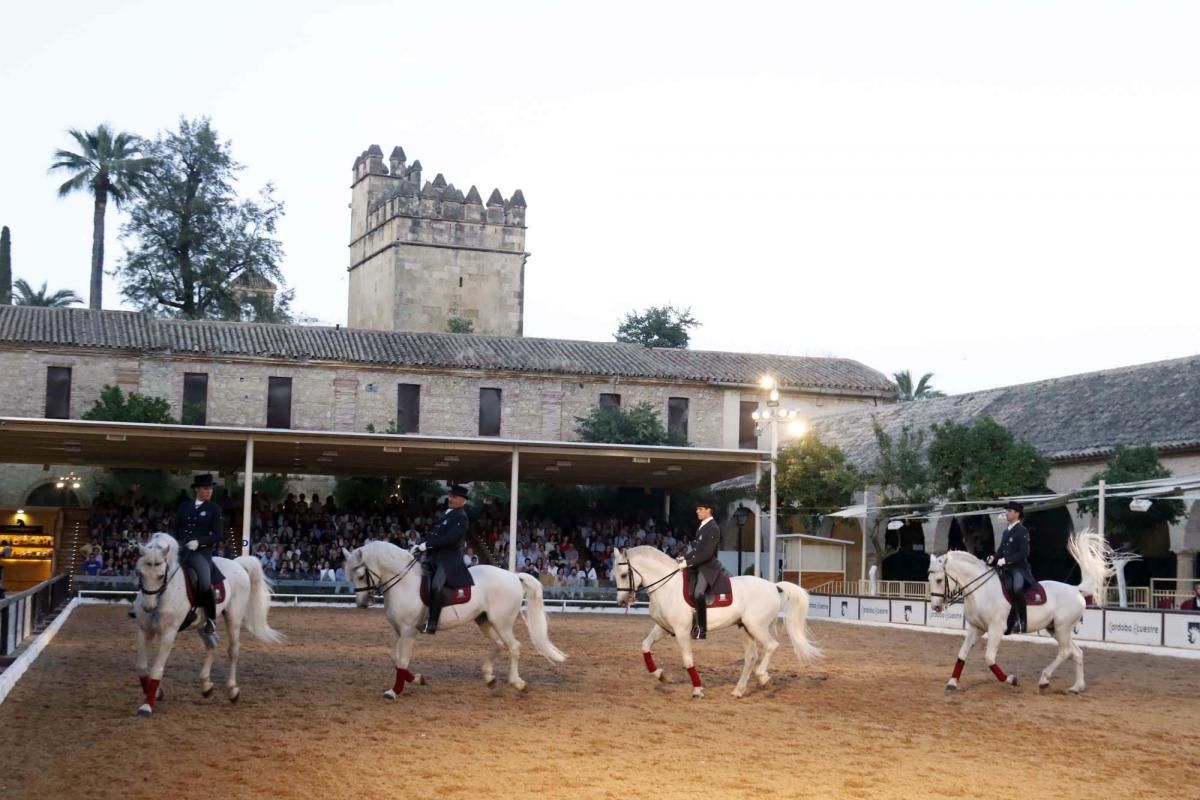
(718, 596)
(1034, 595)
(458, 595)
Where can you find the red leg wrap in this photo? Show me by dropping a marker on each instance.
(402, 676)
(151, 691)
(650, 667)
(695, 676)
(958, 666)
(999, 673)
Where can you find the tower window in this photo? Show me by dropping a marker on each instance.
(460, 283)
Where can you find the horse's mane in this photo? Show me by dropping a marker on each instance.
(384, 552)
(652, 552)
(965, 557)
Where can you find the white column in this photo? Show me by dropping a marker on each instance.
(771, 566)
(1185, 565)
(247, 490)
(1100, 512)
(666, 505)
(513, 491)
(862, 575)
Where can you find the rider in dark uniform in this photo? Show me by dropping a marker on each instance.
(445, 546)
(198, 528)
(703, 567)
(1012, 562)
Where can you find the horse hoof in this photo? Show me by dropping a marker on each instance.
(420, 680)
(390, 694)
(1076, 690)
(951, 688)
(1043, 687)
(235, 694)
(738, 694)
(521, 686)
(764, 680)
(144, 710)
(161, 694)
(491, 684)
(659, 675)
(1012, 680)
(207, 692)
(698, 693)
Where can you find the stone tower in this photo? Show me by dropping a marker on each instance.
(421, 255)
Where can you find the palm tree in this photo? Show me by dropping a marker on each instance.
(24, 295)
(105, 166)
(923, 391)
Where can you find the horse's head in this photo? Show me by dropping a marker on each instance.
(155, 568)
(626, 578)
(937, 582)
(359, 575)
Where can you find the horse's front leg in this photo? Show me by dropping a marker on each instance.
(402, 647)
(656, 633)
(968, 644)
(995, 634)
(235, 648)
(683, 634)
(206, 686)
(143, 663)
(166, 641)
(489, 659)
(749, 656)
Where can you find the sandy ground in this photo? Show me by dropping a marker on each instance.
(868, 720)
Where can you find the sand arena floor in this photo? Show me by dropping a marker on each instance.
(869, 720)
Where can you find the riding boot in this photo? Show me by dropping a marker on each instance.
(700, 631)
(435, 613)
(1019, 607)
(209, 631)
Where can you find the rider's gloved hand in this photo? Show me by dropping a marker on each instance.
(419, 547)
(1001, 563)
(990, 559)
(192, 545)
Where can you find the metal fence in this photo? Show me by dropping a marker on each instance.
(901, 590)
(20, 614)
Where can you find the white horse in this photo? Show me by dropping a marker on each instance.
(162, 603)
(756, 604)
(494, 606)
(958, 575)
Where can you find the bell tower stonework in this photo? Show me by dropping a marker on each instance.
(422, 255)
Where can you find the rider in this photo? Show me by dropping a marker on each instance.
(1012, 562)
(197, 526)
(445, 546)
(703, 567)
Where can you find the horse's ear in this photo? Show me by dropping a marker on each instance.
(141, 548)
(346, 554)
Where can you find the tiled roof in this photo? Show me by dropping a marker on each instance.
(132, 331)
(1074, 417)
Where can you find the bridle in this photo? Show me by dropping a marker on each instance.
(650, 588)
(380, 586)
(167, 575)
(964, 590)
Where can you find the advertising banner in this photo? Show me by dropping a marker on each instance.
(875, 610)
(1182, 630)
(908, 612)
(844, 608)
(951, 617)
(818, 605)
(1133, 627)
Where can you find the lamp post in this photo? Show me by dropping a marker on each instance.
(772, 415)
(740, 516)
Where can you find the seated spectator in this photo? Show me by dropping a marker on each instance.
(1193, 602)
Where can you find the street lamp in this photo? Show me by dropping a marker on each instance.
(740, 517)
(772, 415)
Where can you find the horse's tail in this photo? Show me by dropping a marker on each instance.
(259, 603)
(535, 619)
(1095, 559)
(796, 621)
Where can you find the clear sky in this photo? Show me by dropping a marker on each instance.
(994, 191)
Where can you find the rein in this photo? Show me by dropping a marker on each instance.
(373, 579)
(964, 590)
(166, 579)
(650, 588)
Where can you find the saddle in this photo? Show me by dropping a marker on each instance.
(189, 582)
(718, 595)
(451, 595)
(1034, 595)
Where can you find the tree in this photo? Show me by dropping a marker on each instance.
(903, 478)
(460, 325)
(924, 389)
(116, 406)
(106, 166)
(983, 460)
(813, 479)
(392, 429)
(659, 326)
(5, 267)
(24, 295)
(1129, 465)
(639, 425)
(189, 236)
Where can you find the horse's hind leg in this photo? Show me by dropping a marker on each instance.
(514, 655)
(234, 629)
(769, 644)
(489, 660)
(749, 656)
(656, 633)
(206, 686)
(1062, 633)
(1077, 657)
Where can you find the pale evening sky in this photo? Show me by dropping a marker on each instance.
(992, 191)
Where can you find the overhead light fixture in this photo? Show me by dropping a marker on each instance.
(70, 443)
(20, 511)
(329, 453)
(116, 437)
(895, 524)
(674, 468)
(323, 460)
(563, 463)
(660, 472)
(1140, 504)
(641, 460)
(441, 464)
(393, 449)
(60, 485)
(451, 458)
(201, 447)
(551, 468)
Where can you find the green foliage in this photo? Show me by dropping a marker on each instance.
(901, 471)
(983, 460)
(638, 425)
(460, 325)
(364, 493)
(151, 484)
(190, 237)
(106, 166)
(659, 326)
(906, 392)
(392, 428)
(115, 406)
(1129, 465)
(5, 267)
(813, 479)
(24, 295)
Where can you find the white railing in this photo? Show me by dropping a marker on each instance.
(906, 590)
